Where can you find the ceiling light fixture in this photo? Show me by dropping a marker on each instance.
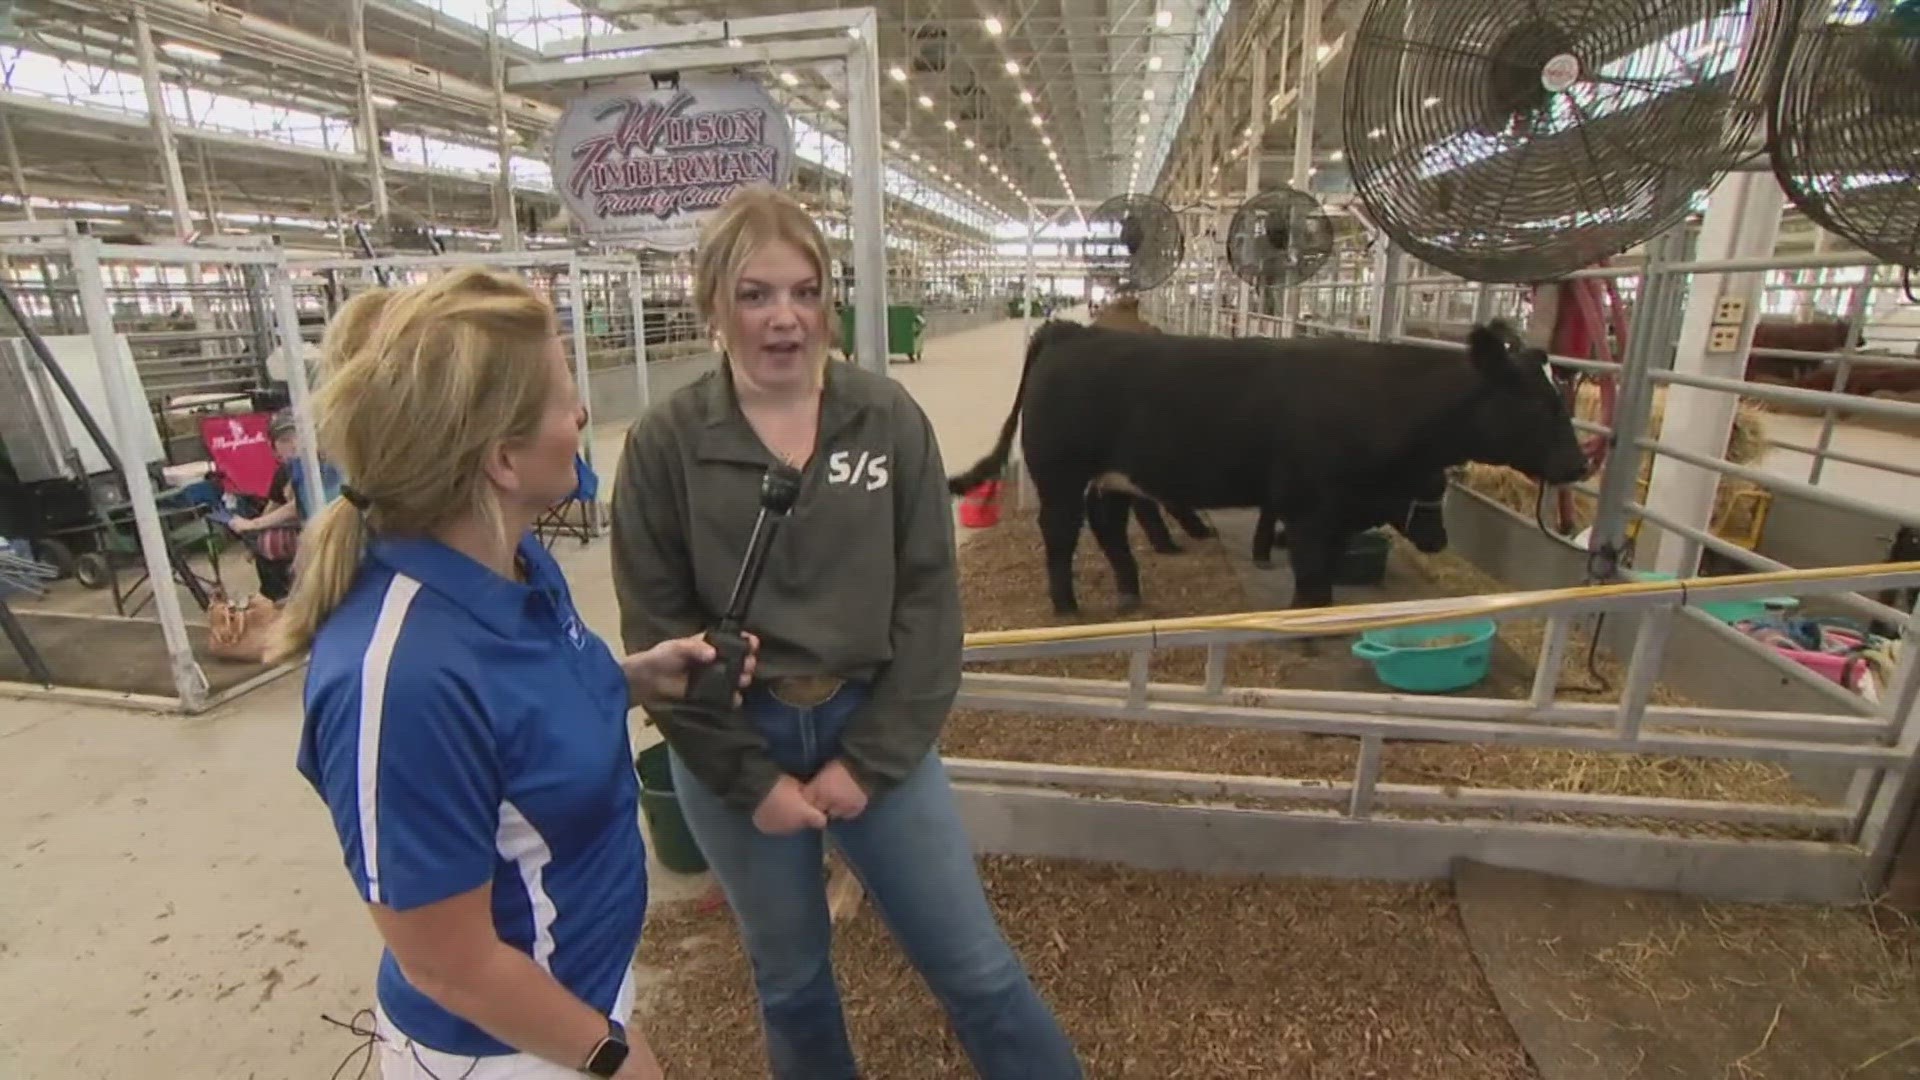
(832, 105)
(1013, 67)
(993, 26)
(896, 74)
(926, 102)
(1153, 63)
(789, 78)
(1026, 98)
(951, 126)
(1163, 18)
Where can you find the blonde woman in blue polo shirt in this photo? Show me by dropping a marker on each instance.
(466, 730)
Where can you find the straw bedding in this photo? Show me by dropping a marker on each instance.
(1003, 586)
(1154, 976)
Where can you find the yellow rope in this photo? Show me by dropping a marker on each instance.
(1358, 617)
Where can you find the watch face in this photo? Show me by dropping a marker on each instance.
(607, 1057)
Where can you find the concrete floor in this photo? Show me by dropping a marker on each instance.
(172, 902)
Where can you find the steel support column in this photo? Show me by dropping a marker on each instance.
(369, 125)
(1742, 220)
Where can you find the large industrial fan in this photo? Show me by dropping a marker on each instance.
(1844, 129)
(1279, 238)
(1518, 141)
(1134, 241)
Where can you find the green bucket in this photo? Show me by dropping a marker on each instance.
(1364, 562)
(673, 842)
(1406, 658)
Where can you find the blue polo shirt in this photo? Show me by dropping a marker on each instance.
(467, 730)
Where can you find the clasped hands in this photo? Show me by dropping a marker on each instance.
(792, 805)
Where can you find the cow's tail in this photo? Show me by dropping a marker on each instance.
(995, 463)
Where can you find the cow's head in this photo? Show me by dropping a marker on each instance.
(1517, 417)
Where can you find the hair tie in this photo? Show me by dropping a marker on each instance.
(355, 498)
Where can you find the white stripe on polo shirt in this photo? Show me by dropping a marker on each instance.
(522, 845)
(373, 704)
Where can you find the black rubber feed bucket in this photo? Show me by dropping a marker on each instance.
(1365, 560)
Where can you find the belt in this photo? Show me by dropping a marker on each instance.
(804, 691)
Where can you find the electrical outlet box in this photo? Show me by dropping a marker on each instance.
(1723, 339)
(1731, 309)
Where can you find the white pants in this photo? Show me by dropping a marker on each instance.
(403, 1059)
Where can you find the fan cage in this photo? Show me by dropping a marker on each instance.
(1134, 241)
(1843, 134)
(1513, 142)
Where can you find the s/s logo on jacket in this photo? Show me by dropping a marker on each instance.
(868, 470)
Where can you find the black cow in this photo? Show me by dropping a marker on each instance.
(1317, 430)
(1905, 548)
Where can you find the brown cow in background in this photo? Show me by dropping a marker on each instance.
(1123, 313)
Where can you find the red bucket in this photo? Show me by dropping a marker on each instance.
(980, 508)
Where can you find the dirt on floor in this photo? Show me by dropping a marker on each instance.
(1155, 976)
(1618, 984)
(1003, 586)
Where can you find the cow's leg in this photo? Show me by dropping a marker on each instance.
(1151, 522)
(1107, 517)
(1060, 530)
(1190, 523)
(1315, 547)
(1263, 534)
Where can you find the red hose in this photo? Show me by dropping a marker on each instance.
(1581, 330)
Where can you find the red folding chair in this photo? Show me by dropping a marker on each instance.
(241, 450)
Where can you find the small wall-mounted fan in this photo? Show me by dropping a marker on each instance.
(1134, 241)
(1844, 129)
(1509, 141)
(1279, 238)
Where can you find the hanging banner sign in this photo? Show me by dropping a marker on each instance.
(647, 165)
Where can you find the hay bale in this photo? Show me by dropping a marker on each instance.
(1746, 445)
(1735, 502)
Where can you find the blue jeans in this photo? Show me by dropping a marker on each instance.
(915, 861)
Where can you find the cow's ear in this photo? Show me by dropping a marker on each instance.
(1491, 352)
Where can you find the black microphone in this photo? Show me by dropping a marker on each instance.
(715, 684)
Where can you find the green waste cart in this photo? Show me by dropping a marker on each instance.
(906, 328)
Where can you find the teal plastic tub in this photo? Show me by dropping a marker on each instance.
(1727, 611)
(1405, 657)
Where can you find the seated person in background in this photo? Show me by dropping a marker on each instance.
(274, 535)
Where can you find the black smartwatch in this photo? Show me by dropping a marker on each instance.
(609, 1055)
